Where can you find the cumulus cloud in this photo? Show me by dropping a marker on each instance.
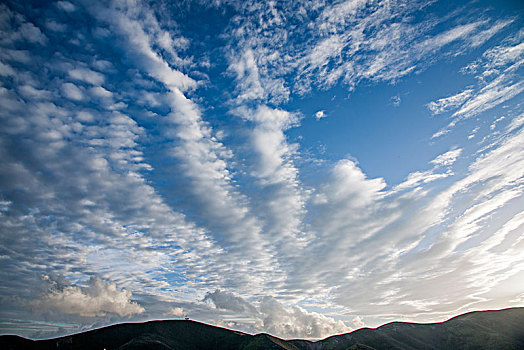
(175, 311)
(296, 322)
(358, 322)
(96, 299)
(350, 186)
(229, 301)
(320, 114)
(271, 316)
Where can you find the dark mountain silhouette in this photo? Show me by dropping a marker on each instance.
(502, 329)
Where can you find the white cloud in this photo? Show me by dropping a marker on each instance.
(436, 42)
(204, 160)
(55, 26)
(414, 232)
(271, 316)
(503, 55)
(420, 177)
(100, 92)
(19, 56)
(490, 96)
(485, 35)
(277, 175)
(473, 133)
(348, 42)
(500, 236)
(447, 158)
(30, 92)
(140, 42)
(15, 28)
(77, 180)
(6, 70)
(350, 186)
(246, 71)
(498, 82)
(358, 322)
(339, 222)
(66, 6)
(364, 45)
(494, 94)
(32, 33)
(175, 311)
(95, 161)
(201, 159)
(96, 299)
(396, 100)
(494, 124)
(85, 116)
(86, 75)
(320, 114)
(270, 142)
(447, 103)
(516, 123)
(294, 321)
(229, 301)
(72, 92)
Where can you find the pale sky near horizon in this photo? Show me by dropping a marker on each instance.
(302, 168)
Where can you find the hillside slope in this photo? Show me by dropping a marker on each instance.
(503, 329)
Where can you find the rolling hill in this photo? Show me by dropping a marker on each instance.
(502, 329)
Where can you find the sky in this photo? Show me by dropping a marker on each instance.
(302, 168)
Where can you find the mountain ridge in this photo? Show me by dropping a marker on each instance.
(490, 329)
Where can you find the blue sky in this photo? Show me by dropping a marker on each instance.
(298, 168)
